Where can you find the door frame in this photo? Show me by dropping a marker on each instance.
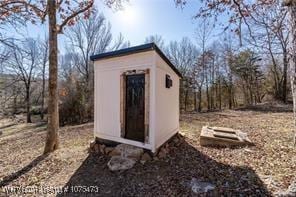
(123, 102)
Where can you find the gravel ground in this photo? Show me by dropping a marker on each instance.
(260, 170)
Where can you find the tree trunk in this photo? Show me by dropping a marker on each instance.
(208, 96)
(212, 87)
(230, 91)
(292, 53)
(285, 76)
(14, 100)
(277, 90)
(28, 105)
(90, 94)
(43, 93)
(213, 97)
(250, 87)
(233, 98)
(199, 98)
(52, 141)
(220, 94)
(216, 95)
(195, 101)
(230, 96)
(182, 95)
(293, 60)
(186, 99)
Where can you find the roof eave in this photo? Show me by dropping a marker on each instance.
(136, 49)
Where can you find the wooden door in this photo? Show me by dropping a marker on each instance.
(135, 107)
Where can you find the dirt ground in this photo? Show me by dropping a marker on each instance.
(260, 170)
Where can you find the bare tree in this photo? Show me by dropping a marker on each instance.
(120, 43)
(228, 67)
(4, 55)
(23, 64)
(198, 80)
(183, 54)
(157, 39)
(269, 25)
(203, 34)
(247, 68)
(43, 47)
(88, 37)
(292, 53)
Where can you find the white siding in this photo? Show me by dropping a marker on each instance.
(167, 103)
(107, 94)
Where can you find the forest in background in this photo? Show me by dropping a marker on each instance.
(236, 68)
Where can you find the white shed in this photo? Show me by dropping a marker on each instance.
(136, 96)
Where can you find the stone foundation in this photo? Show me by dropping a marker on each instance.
(110, 148)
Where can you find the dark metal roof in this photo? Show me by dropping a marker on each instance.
(136, 49)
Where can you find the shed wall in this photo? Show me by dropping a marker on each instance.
(107, 94)
(167, 103)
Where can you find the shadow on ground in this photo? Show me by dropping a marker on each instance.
(170, 177)
(8, 179)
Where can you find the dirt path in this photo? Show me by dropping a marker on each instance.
(267, 167)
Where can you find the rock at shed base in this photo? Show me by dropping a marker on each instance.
(114, 152)
(91, 146)
(200, 187)
(108, 150)
(124, 156)
(120, 163)
(176, 140)
(145, 157)
(128, 151)
(102, 148)
(96, 148)
(162, 153)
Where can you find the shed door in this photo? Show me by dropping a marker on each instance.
(135, 107)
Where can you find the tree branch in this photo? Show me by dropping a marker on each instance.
(38, 11)
(73, 15)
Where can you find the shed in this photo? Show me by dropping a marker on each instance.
(136, 96)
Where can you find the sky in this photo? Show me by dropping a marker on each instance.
(141, 18)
